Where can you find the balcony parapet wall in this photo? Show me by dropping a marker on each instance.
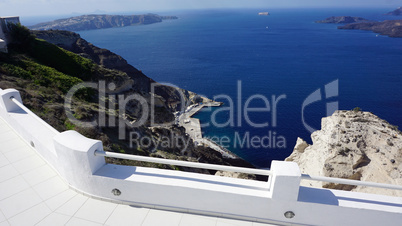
(280, 200)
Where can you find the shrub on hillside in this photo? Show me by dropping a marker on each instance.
(20, 35)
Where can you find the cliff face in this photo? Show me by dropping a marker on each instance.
(355, 145)
(90, 22)
(73, 42)
(341, 20)
(392, 28)
(44, 72)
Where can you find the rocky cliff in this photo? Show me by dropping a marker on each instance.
(73, 42)
(341, 20)
(392, 28)
(355, 145)
(44, 71)
(396, 12)
(90, 22)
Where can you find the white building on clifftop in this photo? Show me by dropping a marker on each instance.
(4, 39)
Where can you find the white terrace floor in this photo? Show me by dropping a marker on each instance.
(32, 193)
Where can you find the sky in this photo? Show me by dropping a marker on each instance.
(24, 8)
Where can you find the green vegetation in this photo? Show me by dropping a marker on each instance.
(62, 60)
(40, 74)
(44, 73)
(21, 36)
(43, 63)
(47, 65)
(69, 125)
(15, 71)
(357, 109)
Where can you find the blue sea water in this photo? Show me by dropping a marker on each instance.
(286, 53)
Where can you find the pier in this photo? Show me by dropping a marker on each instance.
(193, 128)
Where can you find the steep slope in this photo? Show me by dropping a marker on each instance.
(73, 42)
(44, 73)
(355, 145)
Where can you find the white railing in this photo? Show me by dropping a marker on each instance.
(351, 182)
(242, 170)
(29, 112)
(184, 164)
(276, 202)
(214, 167)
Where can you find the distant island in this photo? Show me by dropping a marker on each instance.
(91, 22)
(392, 28)
(396, 12)
(341, 20)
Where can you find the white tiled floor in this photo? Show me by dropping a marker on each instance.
(195, 220)
(124, 214)
(32, 193)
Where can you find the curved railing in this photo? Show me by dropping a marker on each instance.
(81, 162)
(210, 166)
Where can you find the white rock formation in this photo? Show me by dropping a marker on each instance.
(355, 145)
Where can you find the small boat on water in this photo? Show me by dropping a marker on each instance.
(263, 14)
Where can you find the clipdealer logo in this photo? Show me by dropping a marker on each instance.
(271, 140)
(331, 91)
